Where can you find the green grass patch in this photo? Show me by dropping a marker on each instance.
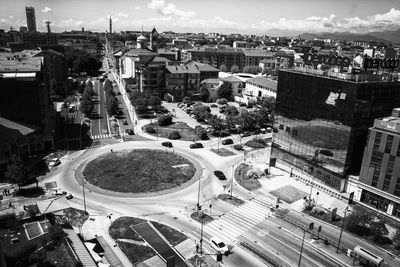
(322, 136)
(245, 181)
(223, 152)
(139, 171)
(136, 253)
(173, 236)
(289, 194)
(231, 199)
(197, 216)
(121, 228)
(76, 217)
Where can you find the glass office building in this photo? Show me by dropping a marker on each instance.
(323, 118)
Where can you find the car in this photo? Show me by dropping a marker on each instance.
(68, 196)
(214, 105)
(130, 131)
(218, 245)
(245, 134)
(269, 130)
(125, 122)
(188, 110)
(220, 175)
(227, 141)
(167, 144)
(58, 192)
(242, 105)
(119, 93)
(263, 130)
(256, 132)
(54, 162)
(196, 145)
(222, 110)
(275, 130)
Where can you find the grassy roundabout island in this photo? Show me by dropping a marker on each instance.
(139, 171)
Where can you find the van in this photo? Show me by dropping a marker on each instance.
(54, 162)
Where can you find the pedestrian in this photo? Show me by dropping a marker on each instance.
(9, 204)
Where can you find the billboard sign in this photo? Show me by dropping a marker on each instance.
(313, 58)
(384, 63)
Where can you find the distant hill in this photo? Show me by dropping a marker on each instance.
(393, 36)
(350, 36)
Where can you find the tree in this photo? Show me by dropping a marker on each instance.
(223, 68)
(86, 105)
(88, 64)
(165, 120)
(358, 220)
(204, 93)
(16, 173)
(231, 111)
(222, 101)
(201, 112)
(248, 120)
(216, 123)
(112, 105)
(225, 91)
(396, 239)
(154, 100)
(235, 69)
(251, 69)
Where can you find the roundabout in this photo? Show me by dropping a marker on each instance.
(139, 171)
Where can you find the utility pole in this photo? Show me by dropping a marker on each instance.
(201, 233)
(83, 188)
(233, 175)
(341, 229)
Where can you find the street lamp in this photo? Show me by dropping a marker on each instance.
(233, 175)
(198, 192)
(83, 189)
(341, 229)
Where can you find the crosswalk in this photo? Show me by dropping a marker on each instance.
(236, 222)
(104, 136)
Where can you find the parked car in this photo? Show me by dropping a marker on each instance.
(125, 122)
(227, 141)
(196, 145)
(242, 105)
(218, 245)
(275, 130)
(54, 162)
(256, 132)
(167, 144)
(68, 196)
(214, 105)
(58, 192)
(130, 131)
(220, 175)
(119, 93)
(245, 134)
(269, 130)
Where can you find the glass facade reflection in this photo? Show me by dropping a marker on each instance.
(322, 122)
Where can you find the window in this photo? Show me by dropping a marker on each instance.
(376, 161)
(389, 142)
(377, 141)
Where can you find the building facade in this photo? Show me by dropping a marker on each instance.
(379, 180)
(30, 18)
(323, 118)
(182, 80)
(259, 87)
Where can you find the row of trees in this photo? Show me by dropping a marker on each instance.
(86, 105)
(143, 101)
(111, 100)
(79, 60)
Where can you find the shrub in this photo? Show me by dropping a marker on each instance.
(222, 101)
(202, 134)
(326, 152)
(174, 135)
(318, 210)
(254, 144)
(165, 120)
(254, 174)
(382, 240)
(238, 147)
(150, 129)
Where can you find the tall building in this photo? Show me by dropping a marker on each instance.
(322, 119)
(110, 25)
(30, 18)
(379, 180)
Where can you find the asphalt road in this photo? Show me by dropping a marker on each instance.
(99, 122)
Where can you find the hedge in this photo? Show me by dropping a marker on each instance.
(174, 135)
(150, 129)
(238, 147)
(165, 120)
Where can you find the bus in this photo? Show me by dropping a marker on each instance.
(367, 258)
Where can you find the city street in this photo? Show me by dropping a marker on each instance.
(100, 124)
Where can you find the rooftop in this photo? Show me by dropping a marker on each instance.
(264, 82)
(182, 69)
(20, 64)
(202, 66)
(391, 123)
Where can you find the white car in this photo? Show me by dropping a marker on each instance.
(218, 245)
(54, 162)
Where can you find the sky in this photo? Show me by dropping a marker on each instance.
(221, 16)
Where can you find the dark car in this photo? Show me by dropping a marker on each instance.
(214, 105)
(220, 175)
(167, 144)
(196, 145)
(242, 105)
(256, 132)
(130, 131)
(227, 141)
(125, 122)
(245, 134)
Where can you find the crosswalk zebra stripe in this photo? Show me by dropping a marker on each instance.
(218, 233)
(243, 220)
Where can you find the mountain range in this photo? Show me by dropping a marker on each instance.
(385, 36)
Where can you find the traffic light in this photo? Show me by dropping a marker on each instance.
(219, 256)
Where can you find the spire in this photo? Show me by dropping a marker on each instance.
(110, 24)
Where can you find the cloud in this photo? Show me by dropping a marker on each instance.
(46, 9)
(169, 9)
(377, 22)
(137, 7)
(11, 17)
(123, 15)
